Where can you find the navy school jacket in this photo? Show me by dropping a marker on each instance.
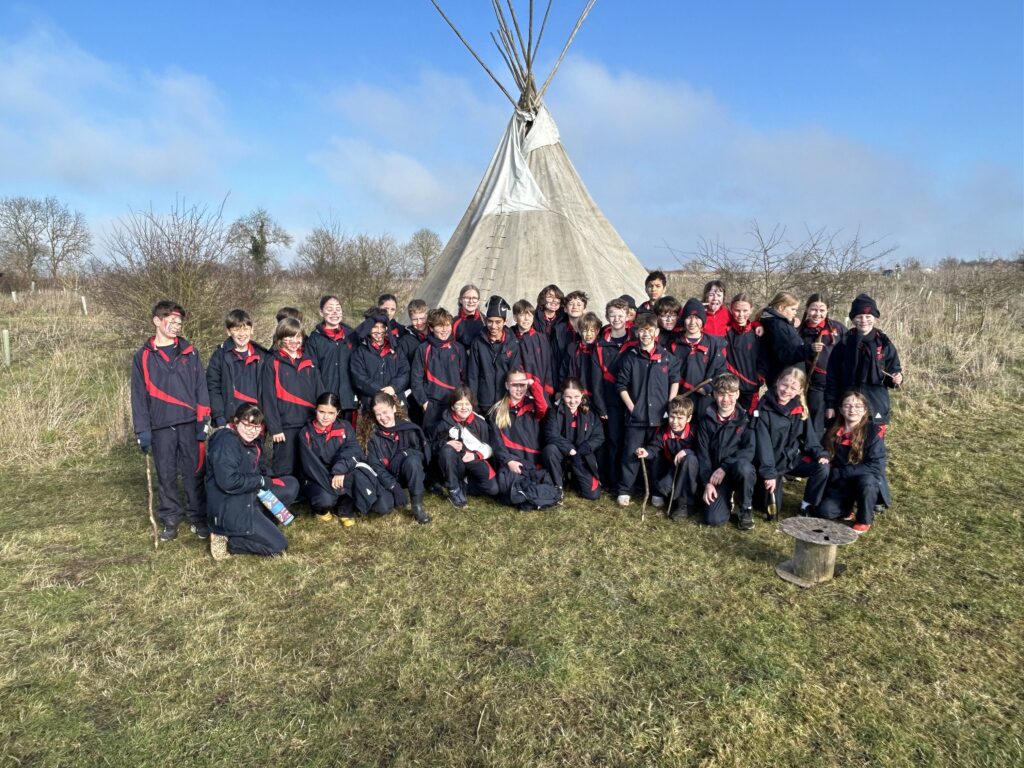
(408, 343)
(234, 473)
(489, 363)
(374, 368)
(386, 445)
(233, 379)
(535, 357)
(579, 362)
(783, 436)
(831, 332)
(872, 463)
(168, 387)
(467, 327)
(545, 325)
(781, 345)
(331, 352)
(327, 452)
(666, 444)
(723, 444)
(437, 369)
(699, 360)
(607, 351)
(743, 356)
(475, 424)
(647, 377)
(563, 338)
(290, 389)
(860, 362)
(582, 431)
(521, 440)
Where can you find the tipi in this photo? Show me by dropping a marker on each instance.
(531, 221)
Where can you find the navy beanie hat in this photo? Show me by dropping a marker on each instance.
(694, 307)
(863, 305)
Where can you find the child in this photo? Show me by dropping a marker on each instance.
(858, 464)
(291, 385)
(233, 373)
(329, 346)
(648, 378)
(376, 366)
(781, 345)
(610, 344)
(674, 473)
(865, 360)
(416, 331)
(743, 352)
(701, 357)
(170, 414)
(631, 312)
(667, 310)
(438, 368)
(579, 361)
(292, 312)
(572, 436)
(461, 443)
(492, 355)
(235, 476)
(717, 314)
(549, 309)
(725, 451)
(822, 333)
(468, 325)
(334, 470)
(398, 454)
(654, 286)
(788, 445)
(566, 334)
(534, 347)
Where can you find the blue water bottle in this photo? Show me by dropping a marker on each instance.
(276, 507)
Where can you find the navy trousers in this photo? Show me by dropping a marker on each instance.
(266, 538)
(739, 480)
(177, 453)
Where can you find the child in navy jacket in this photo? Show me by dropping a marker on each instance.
(611, 343)
(823, 334)
(492, 355)
(701, 356)
(743, 352)
(438, 368)
(330, 347)
(398, 453)
(170, 414)
(534, 347)
(376, 366)
(462, 446)
(675, 465)
(725, 450)
(234, 373)
(572, 436)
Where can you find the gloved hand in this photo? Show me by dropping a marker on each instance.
(145, 440)
(201, 431)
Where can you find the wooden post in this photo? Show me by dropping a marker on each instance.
(14, 296)
(33, 286)
(814, 554)
(85, 308)
(6, 338)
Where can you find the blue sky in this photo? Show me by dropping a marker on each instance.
(903, 121)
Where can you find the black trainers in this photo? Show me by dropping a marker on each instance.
(418, 511)
(169, 532)
(201, 530)
(746, 519)
(679, 513)
(457, 498)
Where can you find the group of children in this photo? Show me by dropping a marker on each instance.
(664, 400)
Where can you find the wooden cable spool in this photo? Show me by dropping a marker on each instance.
(814, 554)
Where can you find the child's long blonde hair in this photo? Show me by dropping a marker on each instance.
(780, 300)
(801, 380)
(499, 411)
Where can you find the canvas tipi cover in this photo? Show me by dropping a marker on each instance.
(531, 223)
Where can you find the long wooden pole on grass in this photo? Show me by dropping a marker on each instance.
(7, 347)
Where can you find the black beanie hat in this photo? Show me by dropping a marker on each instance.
(630, 301)
(694, 307)
(371, 317)
(863, 305)
(497, 307)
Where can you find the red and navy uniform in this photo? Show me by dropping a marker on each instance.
(535, 357)
(663, 449)
(718, 322)
(727, 444)
(563, 339)
(481, 477)
(745, 362)
(565, 431)
(329, 451)
(399, 455)
(647, 377)
(579, 362)
(787, 445)
(437, 369)
(489, 364)
(547, 325)
(520, 441)
(290, 389)
(647, 307)
(170, 411)
(863, 484)
(861, 363)
(699, 360)
(830, 332)
(781, 345)
(234, 377)
(374, 367)
(409, 342)
(467, 327)
(331, 350)
(606, 400)
(235, 474)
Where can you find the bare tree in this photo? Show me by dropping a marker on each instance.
(41, 236)
(258, 238)
(423, 249)
(66, 238)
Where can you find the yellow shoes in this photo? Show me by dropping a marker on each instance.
(326, 517)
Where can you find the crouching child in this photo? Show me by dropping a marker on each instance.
(725, 450)
(572, 435)
(461, 441)
(398, 453)
(675, 465)
(234, 479)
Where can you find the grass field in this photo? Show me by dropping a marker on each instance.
(579, 636)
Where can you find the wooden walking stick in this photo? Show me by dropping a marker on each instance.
(695, 387)
(647, 490)
(814, 363)
(149, 489)
(672, 494)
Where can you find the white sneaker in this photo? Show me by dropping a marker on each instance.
(623, 500)
(657, 502)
